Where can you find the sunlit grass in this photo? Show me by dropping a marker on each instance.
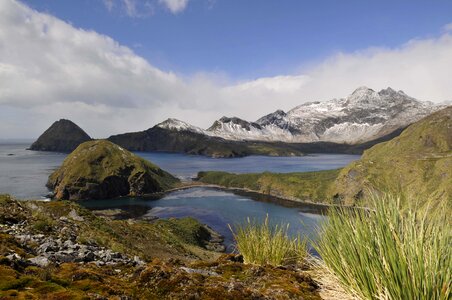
(262, 243)
(390, 252)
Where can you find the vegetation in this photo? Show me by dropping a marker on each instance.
(416, 163)
(306, 186)
(262, 243)
(176, 266)
(101, 169)
(389, 252)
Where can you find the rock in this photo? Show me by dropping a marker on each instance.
(74, 216)
(47, 247)
(86, 255)
(101, 170)
(40, 261)
(137, 261)
(199, 271)
(62, 136)
(13, 257)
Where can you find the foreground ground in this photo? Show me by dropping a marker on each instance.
(58, 250)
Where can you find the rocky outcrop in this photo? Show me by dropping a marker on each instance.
(62, 136)
(101, 170)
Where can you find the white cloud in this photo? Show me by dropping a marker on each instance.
(109, 4)
(447, 27)
(175, 6)
(131, 8)
(51, 70)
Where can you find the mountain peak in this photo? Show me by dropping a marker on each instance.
(233, 123)
(62, 136)
(362, 90)
(389, 91)
(176, 124)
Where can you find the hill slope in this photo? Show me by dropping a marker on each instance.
(416, 163)
(61, 136)
(176, 136)
(100, 170)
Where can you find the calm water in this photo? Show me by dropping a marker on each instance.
(188, 166)
(217, 209)
(24, 173)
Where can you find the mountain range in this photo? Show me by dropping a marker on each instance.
(346, 125)
(363, 116)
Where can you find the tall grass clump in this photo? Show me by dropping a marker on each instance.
(263, 243)
(389, 252)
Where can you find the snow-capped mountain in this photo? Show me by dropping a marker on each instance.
(178, 125)
(362, 116)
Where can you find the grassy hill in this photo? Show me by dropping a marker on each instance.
(306, 186)
(416, 163)
(100, 170)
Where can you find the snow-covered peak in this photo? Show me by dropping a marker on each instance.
(273, 118)
(363, 90)
(175, 124)
(362, 116)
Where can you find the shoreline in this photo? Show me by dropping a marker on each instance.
(257, 196)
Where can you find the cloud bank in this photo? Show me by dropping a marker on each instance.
(50, 70)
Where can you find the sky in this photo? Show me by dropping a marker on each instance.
(114, 66)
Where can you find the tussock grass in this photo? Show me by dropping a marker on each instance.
(390, 252)
(262, 243)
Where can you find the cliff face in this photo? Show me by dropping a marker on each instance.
(62, 136)
(100, 170)
(417, 163)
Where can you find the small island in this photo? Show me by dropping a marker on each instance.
(101, 170)
(63, 136)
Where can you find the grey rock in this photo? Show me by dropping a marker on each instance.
(47, 247)
(74, 216)
(14, 256)
(199, 271)
(39, 261)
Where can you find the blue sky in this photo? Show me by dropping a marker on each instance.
(253, 38)
(114, 66)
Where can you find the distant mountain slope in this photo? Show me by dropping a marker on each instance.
(62, 136)
(176, 136)
(363, 116)
(416, 163)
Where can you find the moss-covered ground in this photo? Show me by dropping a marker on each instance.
(176, 265)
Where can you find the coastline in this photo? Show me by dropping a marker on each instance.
(257, 196)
